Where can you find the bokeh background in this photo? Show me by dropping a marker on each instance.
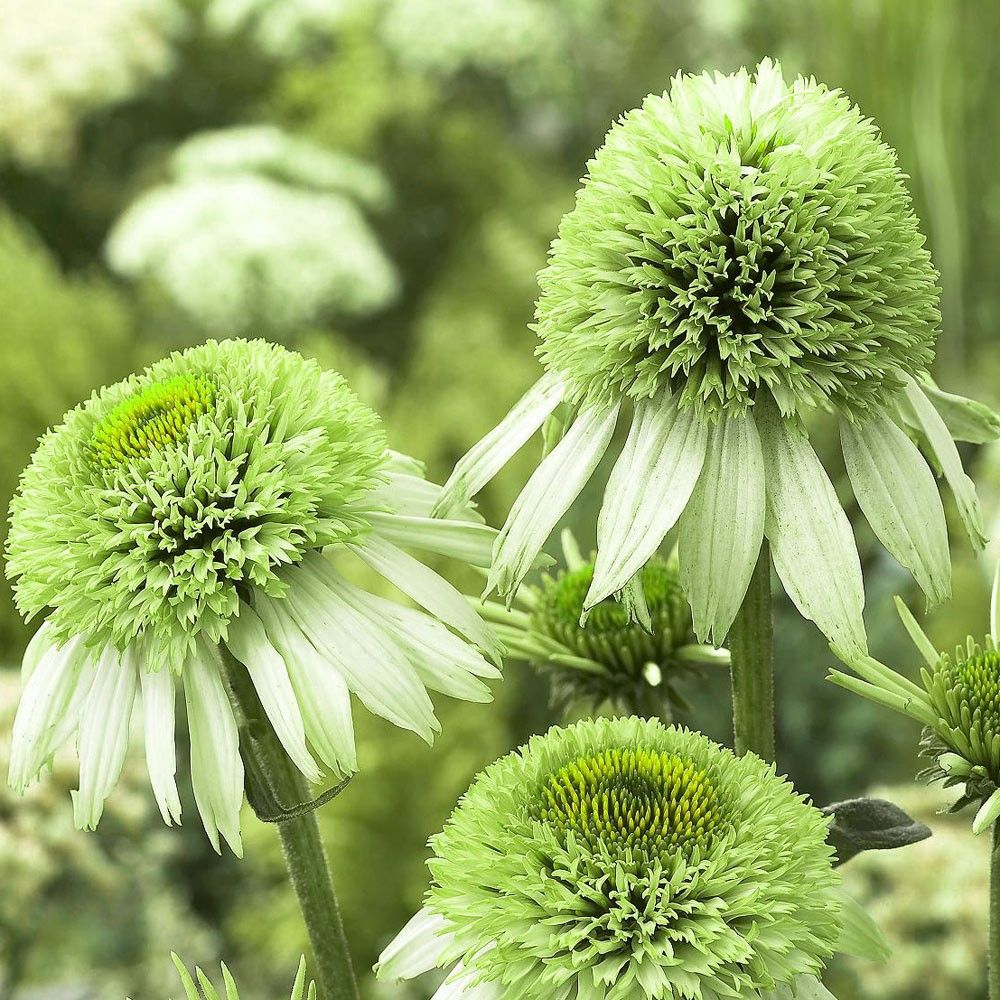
(375, 182)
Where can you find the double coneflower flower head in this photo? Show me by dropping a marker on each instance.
(742, 254)
(200, 514)
(619, 859)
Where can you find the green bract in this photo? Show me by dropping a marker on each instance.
(958, 702)
(741, 255)
(601, 658)
(734, 234)
(623, 859)
(148, 508)
(192, 521)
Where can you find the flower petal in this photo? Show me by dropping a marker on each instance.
(321, 691)
(430, 591)
(466, 541)
(812, 544)
(416, 949)
(966, 419)
(48, 713)
(721, 529)
(943, 449)
(216, 765)
(860, 936)
(486, 458)
(896, 490)
(373, 665)
(550, 491)
(158, 709)
(104, 733)
(649, 487)
(248, 642)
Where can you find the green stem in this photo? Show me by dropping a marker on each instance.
(994, 929)
(274, 781)
(752, 665)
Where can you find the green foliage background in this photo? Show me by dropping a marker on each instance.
(481, 124)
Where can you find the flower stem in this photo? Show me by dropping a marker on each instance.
(752, 665)
(271, 779)
(994, 928)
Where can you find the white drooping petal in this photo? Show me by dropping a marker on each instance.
(721, 529)
(321, 692)
(430, 591)
(416, 949)
(966, 419)
(812, 544)
(158, 715)
(462, 985)
(216, 765)
(649, 487)
(249, 643)
(552, 488)
(942, 447)
(805, 988)
(104, 733)
(896, 490)
(38, 645)
(467, 541)
(49, 710)
(486, 458)
(367, 657)
(443, 662)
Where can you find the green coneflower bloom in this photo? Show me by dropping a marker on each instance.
(742, 254)
(199, 986)
(620, 859)
(194, 509)
(957, 701)
(611, 661)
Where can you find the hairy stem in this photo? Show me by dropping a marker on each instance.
(751, 641)
(993, 946)
(273, 780)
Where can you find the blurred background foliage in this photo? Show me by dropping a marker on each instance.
(375, 182)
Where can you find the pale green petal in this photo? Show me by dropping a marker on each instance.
(466, 541)
(216, 765)
(431, 591)
(158, 712)
(104, 733)
(649, 487)
(249, 643)
(416, 949)
(550, 491)
(942, 447)
(988, 814)
(966, 419)
(896, 490)
(805, 988)
(812, 544)
(486, 458)
(917, 634)
(860, 936)
(721, 529)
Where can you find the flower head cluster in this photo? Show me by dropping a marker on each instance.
(190, 515)
(259, 230)
(116, 47)
(631, 667)
(199, 986)
(957, 701)
(741, 254)
(623, 859)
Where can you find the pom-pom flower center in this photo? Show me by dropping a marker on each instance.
(646, 800)
(156, 417)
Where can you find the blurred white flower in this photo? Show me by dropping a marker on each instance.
(279, 27)
(259, 232)
(60, 59)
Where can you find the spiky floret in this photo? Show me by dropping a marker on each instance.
(738, 233)
(148, 509)
(621, 858)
